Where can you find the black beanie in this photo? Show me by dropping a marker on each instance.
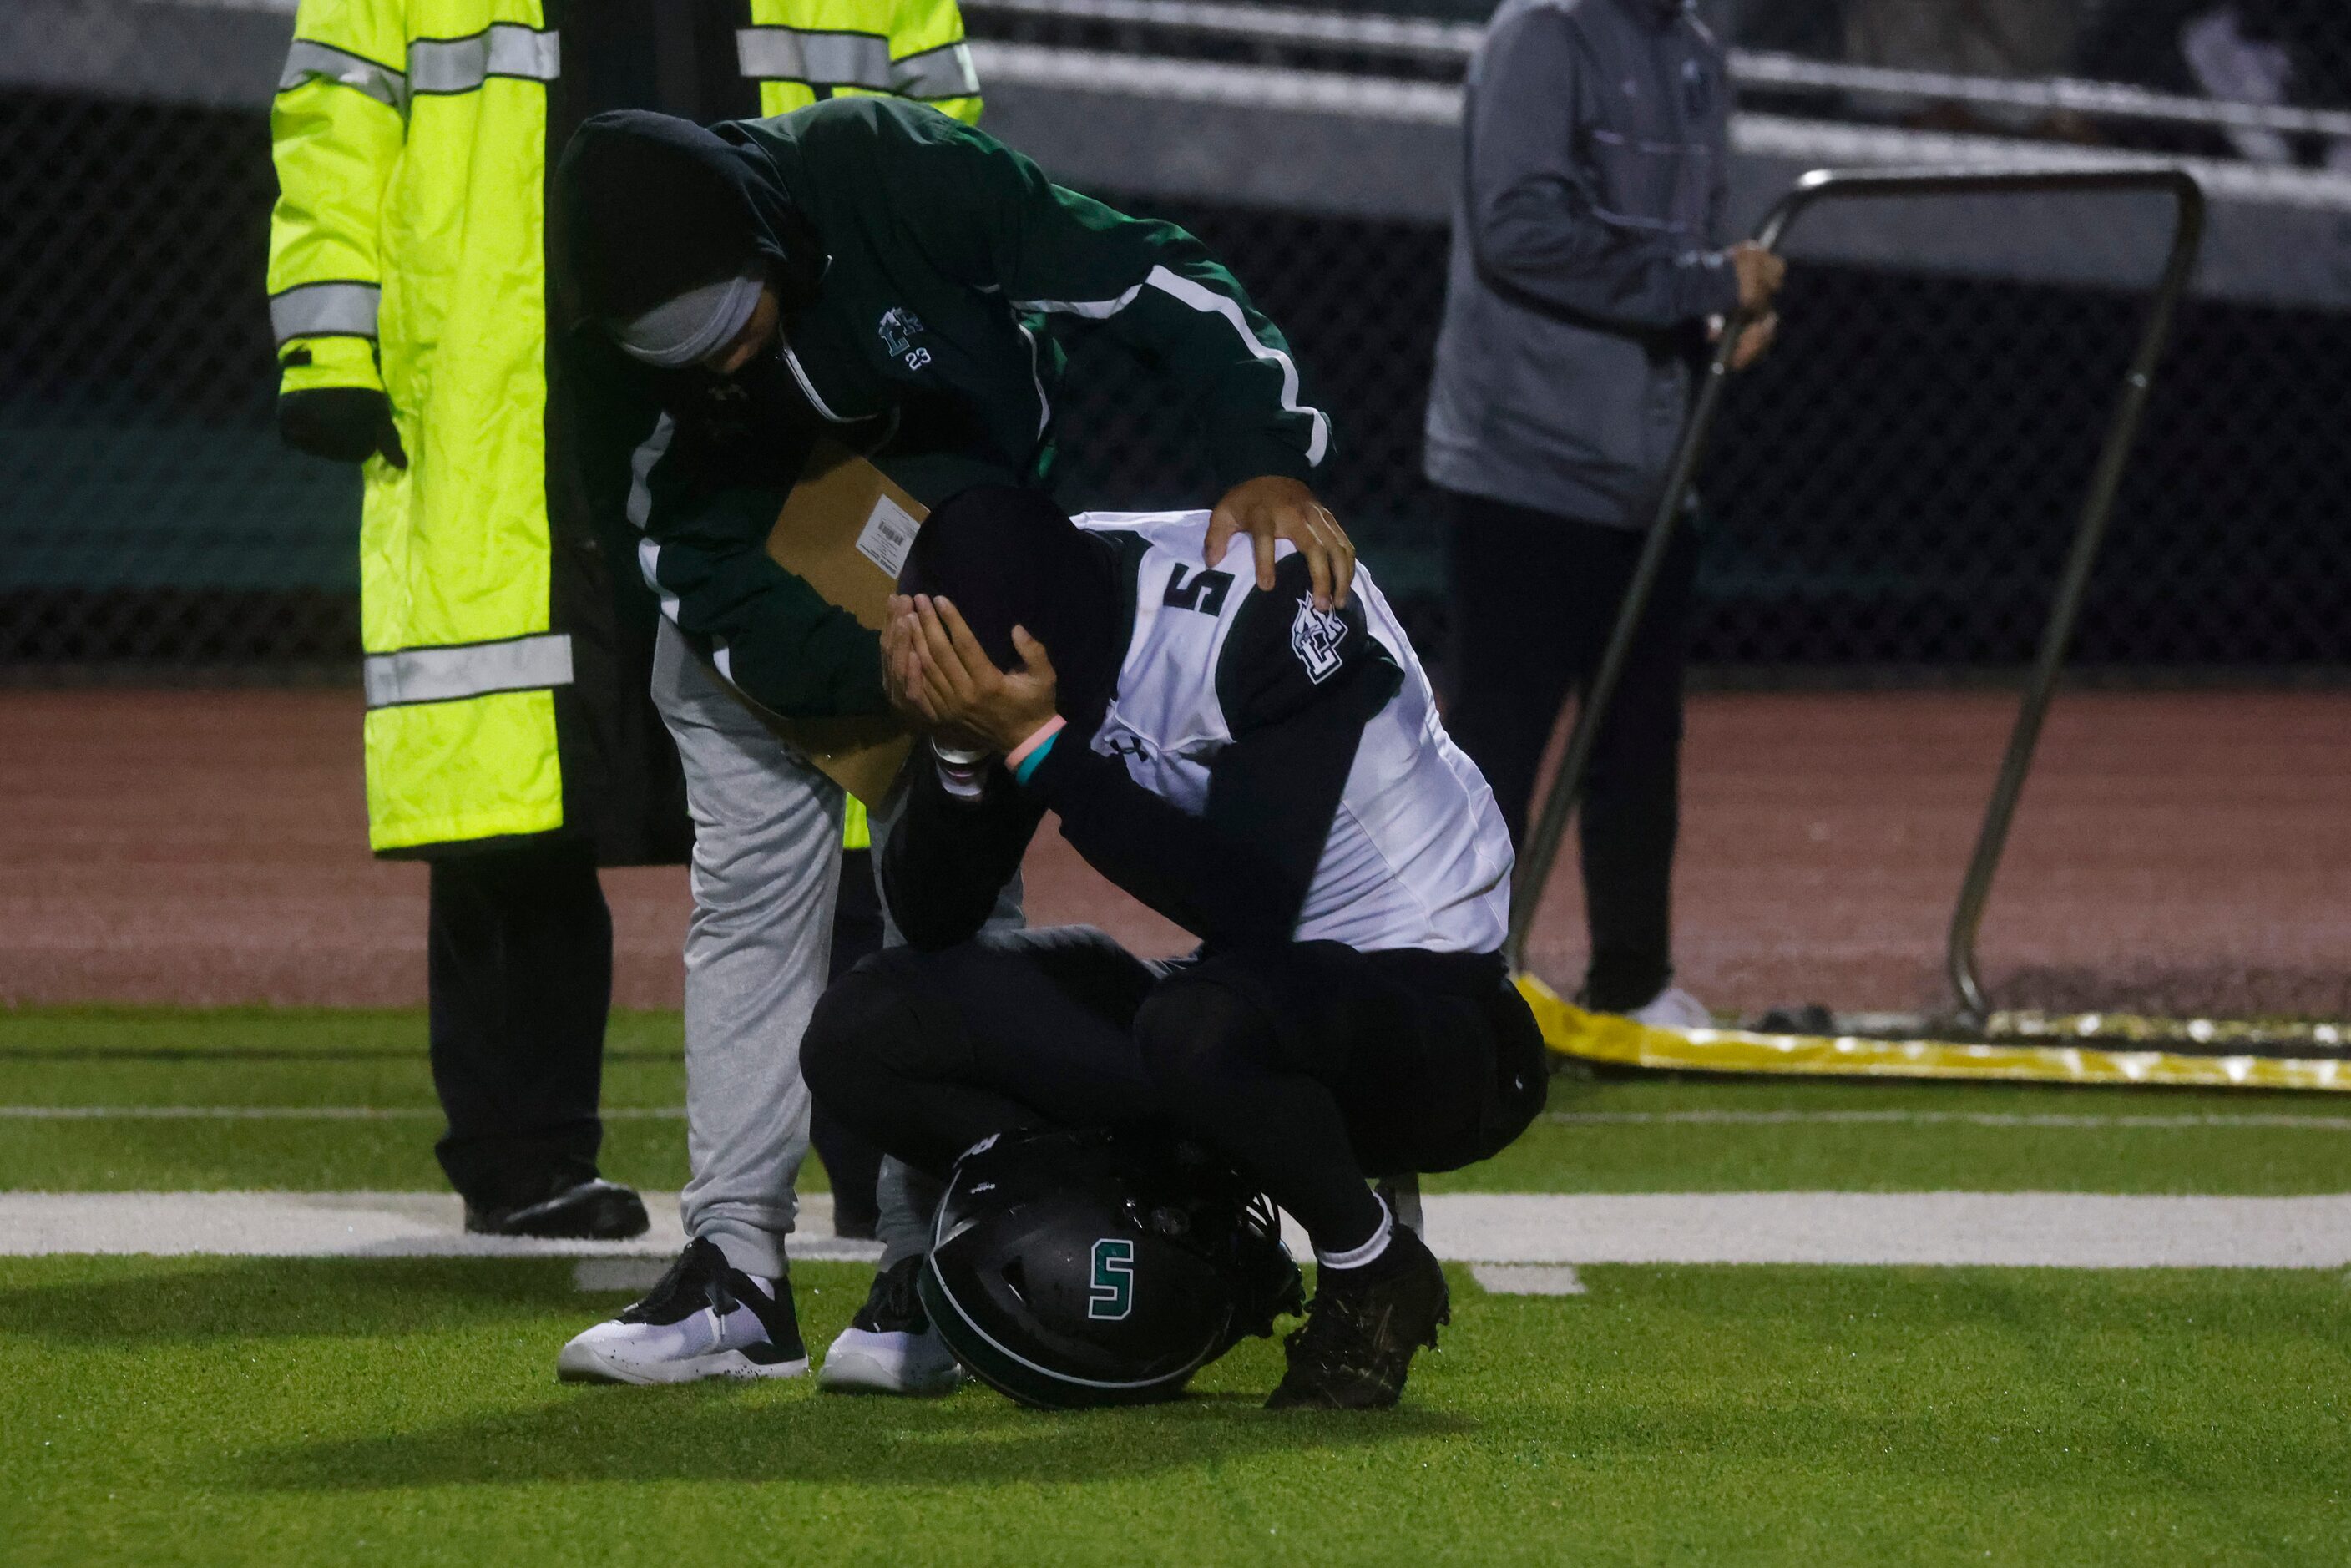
(1008, 556)
(647, 207)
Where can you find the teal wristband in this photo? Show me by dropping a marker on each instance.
(1027, 766)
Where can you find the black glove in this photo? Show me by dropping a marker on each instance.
(344, 424)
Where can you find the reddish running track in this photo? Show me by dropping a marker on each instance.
(2178, 853)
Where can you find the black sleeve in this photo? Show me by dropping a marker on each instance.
(946, 860)
(1297, 687)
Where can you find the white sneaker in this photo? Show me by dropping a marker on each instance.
(704, 1319)
(1673, 1008)
(889, 1347)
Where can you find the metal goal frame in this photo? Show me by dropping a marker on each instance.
(1540, 854)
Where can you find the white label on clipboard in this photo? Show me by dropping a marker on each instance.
(888, 534)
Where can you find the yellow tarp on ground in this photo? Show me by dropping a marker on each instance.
(1614, 1040)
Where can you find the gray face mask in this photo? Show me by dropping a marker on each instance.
(689, 328)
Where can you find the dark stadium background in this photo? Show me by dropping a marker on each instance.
(1889, 494)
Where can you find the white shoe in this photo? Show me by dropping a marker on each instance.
(1673, 1008)
(704, 1319)
(889, 1347)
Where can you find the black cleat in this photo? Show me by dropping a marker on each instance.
(704, 1319)
(591, 1210)
(889, 1347)
(1360, 1336)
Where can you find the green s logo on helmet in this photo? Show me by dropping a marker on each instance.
(1113, 1295)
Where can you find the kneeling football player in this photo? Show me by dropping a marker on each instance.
(1270, 775)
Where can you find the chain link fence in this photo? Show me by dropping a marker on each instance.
(149, 518)
(1890, 492)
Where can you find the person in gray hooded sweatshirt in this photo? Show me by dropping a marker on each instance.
(1589, 271)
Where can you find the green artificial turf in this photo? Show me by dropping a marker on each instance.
(158, 1057)
(284, 1058)
(240, 1410)
(294, 1157)
(337, 1412)
(2255, 1156)
(255, 1056)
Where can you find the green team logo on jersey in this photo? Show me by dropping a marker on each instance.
(1113, 1295)
(898, 328)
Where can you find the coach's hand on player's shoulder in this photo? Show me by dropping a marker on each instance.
(960, 692)
(1272, 507)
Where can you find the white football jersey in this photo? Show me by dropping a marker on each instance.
(1418, 855)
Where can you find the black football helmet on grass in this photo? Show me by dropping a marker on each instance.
(1077, 1268)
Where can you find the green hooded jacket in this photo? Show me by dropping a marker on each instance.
(953, 275)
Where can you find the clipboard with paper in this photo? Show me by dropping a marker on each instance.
(844, 530)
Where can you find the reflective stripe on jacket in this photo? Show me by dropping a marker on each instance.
(407, 253)
(801, 50)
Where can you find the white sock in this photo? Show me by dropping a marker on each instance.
(1356, 1257)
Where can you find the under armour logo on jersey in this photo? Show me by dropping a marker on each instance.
(1126, 746)
(1204, 592)
(1315, 637)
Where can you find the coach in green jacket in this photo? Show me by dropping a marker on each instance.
(913, 281)
(877, 271)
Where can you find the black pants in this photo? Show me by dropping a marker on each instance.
(1309, 1067)
(1534, 598)
(853, 1163)
(519, 971)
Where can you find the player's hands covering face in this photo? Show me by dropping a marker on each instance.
(1272, 508)
(941, 679)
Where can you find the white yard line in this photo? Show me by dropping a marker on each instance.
(633, 1276)
(1528, 1279)
(2025, 1230)
(2258, 1121)
(2269, 1120)
(334, 1225)
(286, 1113)
(2010, 1229)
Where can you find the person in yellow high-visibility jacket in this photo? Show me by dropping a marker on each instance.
(507, 637)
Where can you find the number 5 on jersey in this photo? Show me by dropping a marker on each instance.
(1204, 592)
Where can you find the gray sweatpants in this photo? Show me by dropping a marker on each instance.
(767, 860)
